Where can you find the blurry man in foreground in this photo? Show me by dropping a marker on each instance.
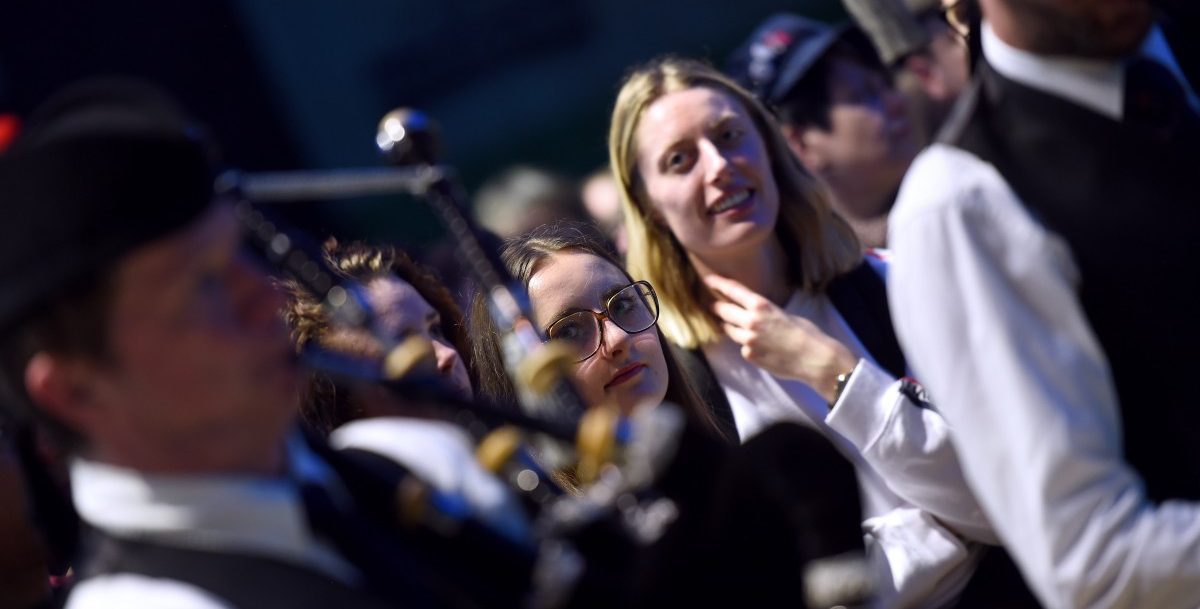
(135, 329)
(1041, 282)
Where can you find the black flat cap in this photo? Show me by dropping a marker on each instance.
(100, 169)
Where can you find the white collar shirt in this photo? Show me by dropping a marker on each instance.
(255, 515)
(984, 300)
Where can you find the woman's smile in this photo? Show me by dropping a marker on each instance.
(731, 203)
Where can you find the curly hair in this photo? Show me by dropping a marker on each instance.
(325, 404)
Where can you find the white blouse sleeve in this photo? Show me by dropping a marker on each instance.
(908, 443)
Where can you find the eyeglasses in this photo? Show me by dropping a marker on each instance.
(956, 13)
(633, 308)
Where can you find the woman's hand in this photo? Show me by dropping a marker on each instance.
(785, 345)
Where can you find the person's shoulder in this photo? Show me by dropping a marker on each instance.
(133, 590)
(946, 179)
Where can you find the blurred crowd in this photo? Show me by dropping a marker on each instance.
(858, 316)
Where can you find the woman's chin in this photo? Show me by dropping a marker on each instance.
(736, 240)
(630, 402)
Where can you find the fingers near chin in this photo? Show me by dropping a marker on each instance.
(715, 283)
(748, 353)
(729, 313)
(729, 289)
(739, 335)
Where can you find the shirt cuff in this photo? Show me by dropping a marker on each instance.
(859, 414)
(920, 562)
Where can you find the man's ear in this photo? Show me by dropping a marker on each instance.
(60, 386)
(927, 73)
(805, 143)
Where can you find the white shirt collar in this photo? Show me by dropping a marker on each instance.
(1094, 84)
(251, 514)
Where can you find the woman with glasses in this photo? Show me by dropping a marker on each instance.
(582, 297)
(751, 517)
(768, 291)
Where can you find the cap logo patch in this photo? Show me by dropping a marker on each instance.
(765, 52)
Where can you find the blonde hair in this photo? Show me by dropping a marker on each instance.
(819, 244)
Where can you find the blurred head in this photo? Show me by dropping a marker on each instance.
(1099, 29)
(602, 202)
(838, 110)
(571, 275)
(849, 126)
(927, 56)
(521, 197)
(406, 300)
(943, 66)
(192, 371)
(708, 174)
(142, 333)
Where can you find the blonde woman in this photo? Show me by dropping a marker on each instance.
(767, 293)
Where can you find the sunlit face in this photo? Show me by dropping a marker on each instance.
(401, 312)
(705, 172)
(628, 369)
(201, 374)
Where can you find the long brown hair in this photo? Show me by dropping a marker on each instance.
(820, 245)
(523, 256)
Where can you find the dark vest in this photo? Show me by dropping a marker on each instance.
(457, 563)
(1122, 197)
(237, 579)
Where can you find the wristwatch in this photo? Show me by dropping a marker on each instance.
(842, 380)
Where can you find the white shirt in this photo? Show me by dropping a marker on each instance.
(984, 301)
(442, 454)
(908, 472)
(248, 514)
